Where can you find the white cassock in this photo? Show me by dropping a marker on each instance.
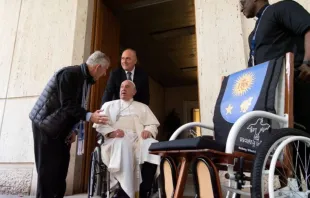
(123, 156)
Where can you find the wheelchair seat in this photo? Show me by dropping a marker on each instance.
(202, 142)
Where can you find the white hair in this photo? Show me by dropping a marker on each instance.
(98, 58)
(133, 84)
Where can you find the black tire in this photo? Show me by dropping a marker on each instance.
(90, 189)
(262, 152)
(94, 182)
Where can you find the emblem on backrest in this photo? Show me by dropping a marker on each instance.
(242, 92)
(257, 128)
(243, 84)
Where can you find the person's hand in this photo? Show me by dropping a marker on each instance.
(146, 134)
(304, 73)
(98, 118)
(117, 134)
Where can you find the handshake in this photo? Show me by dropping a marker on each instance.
(98, 118)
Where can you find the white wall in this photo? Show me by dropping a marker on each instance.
(38, 38)
(222, 46)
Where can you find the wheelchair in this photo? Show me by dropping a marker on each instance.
(99, 176)
(257, 149)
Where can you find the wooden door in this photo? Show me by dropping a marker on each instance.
(106, 38)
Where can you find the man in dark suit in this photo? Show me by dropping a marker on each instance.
(128, 71)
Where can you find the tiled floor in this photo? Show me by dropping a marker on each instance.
(189, 192)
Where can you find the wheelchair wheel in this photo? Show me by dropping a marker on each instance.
(95, 178)
(291, 172)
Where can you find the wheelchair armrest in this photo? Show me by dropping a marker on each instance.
(234, 131)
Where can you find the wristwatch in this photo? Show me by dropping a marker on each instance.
(306, 62)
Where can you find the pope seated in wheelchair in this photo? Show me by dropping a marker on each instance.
(131, 130)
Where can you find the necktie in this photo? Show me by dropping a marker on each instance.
(129, 76)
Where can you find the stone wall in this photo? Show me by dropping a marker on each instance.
(38, 38)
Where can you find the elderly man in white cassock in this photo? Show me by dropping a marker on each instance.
(132, 128)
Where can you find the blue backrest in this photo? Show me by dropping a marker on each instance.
(251, 89)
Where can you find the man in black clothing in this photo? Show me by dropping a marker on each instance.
(280, 28)
(60, 107)
(128, 71)
(283, 27)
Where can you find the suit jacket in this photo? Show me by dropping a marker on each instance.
(116, 78)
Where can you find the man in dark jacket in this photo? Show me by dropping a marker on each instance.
(280, 28)
(60, 107)
(128, 71)
(283, 27)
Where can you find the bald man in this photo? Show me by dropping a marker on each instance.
(128, 71)
(132, 128)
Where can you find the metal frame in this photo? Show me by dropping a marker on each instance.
(275, 157)
(103, 171)
(233, 133)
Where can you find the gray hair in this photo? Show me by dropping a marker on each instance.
(98, 58)
(133, 84)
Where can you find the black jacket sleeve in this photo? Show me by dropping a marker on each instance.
(146, 91)
(110, 88)
(249, 42)
(69, 87)
(293, 17)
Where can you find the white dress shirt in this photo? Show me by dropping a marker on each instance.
(132, 73)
